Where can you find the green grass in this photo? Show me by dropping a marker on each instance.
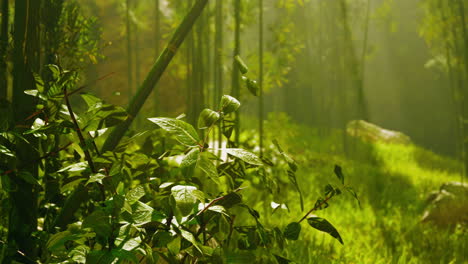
(392, 182)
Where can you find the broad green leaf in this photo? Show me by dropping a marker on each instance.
(191, 158)
(324, 226)
(57, 241)
(339, 173)
(241, 64)
(199, 195)
(207, 118)
(135, 194)
(183, 195)
(229, 104)
(205, 164)
(131, 244)
(191, 238)
(99, 222)
(292, 231)
(184, 132)
(245, 155)
(91, 100)
(174, 245)
(100, 257)
(230, 200)
(142, 213)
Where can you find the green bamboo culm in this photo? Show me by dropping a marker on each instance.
(155, 74)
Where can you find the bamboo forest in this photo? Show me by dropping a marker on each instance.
(234, 131)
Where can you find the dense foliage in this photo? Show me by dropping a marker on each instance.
(160, 194)
(185, 174)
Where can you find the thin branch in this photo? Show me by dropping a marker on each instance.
(216, 200)
(53, 153)
(316, 207)
(78, 131)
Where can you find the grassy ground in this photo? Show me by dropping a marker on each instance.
(392, 181)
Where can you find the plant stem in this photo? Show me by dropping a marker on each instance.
(316, 207)
(78, 131)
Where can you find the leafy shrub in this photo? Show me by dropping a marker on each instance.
(161, 195)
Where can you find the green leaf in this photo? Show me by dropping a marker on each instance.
(251, 85)
(207, 118)
(142, 213)
(339, 173)
(354, 194)
(100, 257)
(245, 155)
(57, 241)
(122, 254)
(218, 209)
(282, 260)
(91, 100)
(207, 166)
(28, 177)
(39, 82)
(291, 163)
(76, 167)
(184, 132)
(241, 64)
(135, 194)
(99, 222)
(191, 238)
(78, 254)
(292, 231)
(191, 158)
(230, 200)
(324, 226)
(97, 177)
(229, 104)
(31, 92)
(184, 197)
(5, 151)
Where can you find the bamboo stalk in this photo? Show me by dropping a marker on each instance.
(155, 74)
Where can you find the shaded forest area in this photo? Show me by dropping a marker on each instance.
(233, 131)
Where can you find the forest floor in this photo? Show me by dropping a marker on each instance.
(392, 182)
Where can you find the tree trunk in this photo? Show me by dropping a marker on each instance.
(260, 74)
(129, 50)
(157, 40)
(235, 69)
(218, 62)
(3, 49)
(23, 197)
